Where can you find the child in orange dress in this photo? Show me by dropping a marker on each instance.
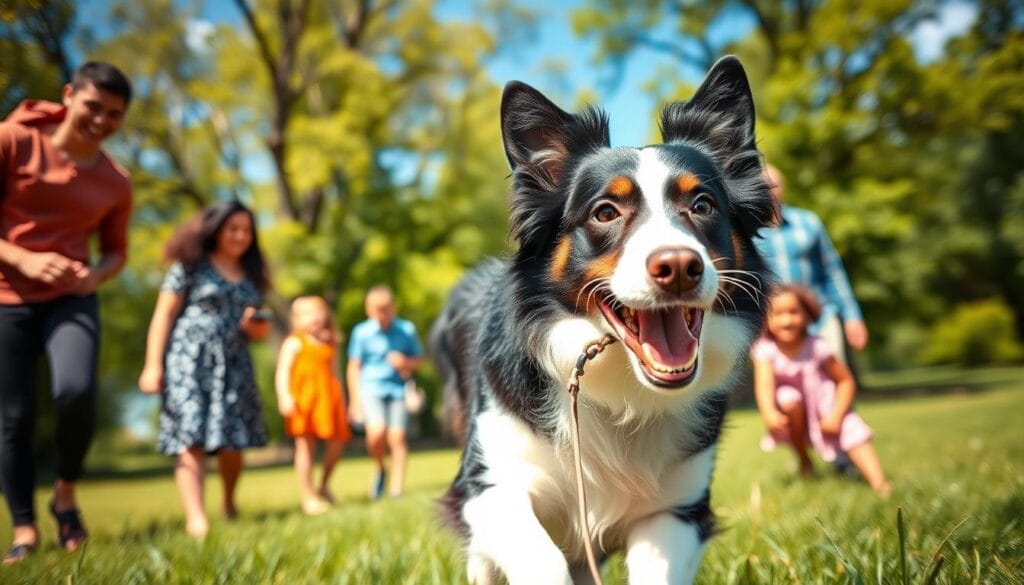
(309, 397)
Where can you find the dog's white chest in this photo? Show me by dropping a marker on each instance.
(631, 474)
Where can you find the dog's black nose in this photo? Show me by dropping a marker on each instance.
(676, 270)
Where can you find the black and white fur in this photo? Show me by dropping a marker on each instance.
(652, 245)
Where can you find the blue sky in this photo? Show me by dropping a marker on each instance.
(560, 64)
(555, 44)
(630, 110)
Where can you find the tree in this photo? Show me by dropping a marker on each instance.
(365, 134)
(888, 148)
(33, 57)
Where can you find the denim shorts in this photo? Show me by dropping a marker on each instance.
(388, 411)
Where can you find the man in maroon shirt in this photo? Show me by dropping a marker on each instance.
(57, 190)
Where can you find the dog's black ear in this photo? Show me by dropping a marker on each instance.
(720, 118)
(539, 136)
(720, 113)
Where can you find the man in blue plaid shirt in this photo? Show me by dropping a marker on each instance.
(800, 251)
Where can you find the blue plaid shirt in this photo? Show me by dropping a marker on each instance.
(799, 251)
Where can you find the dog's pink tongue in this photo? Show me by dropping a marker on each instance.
(666, 338)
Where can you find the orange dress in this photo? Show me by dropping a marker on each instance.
(319, 406)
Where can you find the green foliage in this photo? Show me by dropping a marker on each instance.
(33, 62)
(975, 334)
(365, 135)
(912, 164)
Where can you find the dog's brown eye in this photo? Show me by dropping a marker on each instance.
(703, 206)
(606, 213)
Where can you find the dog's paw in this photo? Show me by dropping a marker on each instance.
(480, 571)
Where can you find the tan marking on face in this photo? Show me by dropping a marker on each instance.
(737, 251)
(620, 187)
(560, 258)
(687, 183)
(733, 262)
(602, 267)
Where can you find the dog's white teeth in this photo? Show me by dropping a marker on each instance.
(665, 370)
(662, 368)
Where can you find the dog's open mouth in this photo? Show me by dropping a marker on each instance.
(664, 341)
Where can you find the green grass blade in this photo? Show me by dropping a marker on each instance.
(902, 532)
(880, 564)
(935, 570)
(938, 559)
(850, 569)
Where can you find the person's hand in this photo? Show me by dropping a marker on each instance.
(49, 267)
(254, 329)
(831, 424)
(396, 359)
(355, 413)
(88, 282)
(151, 379)
(286, 405)
(776, 421)
(856, 334)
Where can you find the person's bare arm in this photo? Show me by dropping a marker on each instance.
(47, 267)
(168, 305)
(341, 381)
(352, 377)
(255, 329)
(113, 244)
(91, 277)
(845, 390)
(764, 393)
(282, 375)
(856, 334)
(405, 364)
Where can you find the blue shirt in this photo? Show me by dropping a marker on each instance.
(799, 251)
(370, 345)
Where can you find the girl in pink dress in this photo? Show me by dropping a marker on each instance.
(805, 394)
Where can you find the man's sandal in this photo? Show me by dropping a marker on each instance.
(69, 527)
(18, 552)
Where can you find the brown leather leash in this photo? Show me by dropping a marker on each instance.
(590, 352)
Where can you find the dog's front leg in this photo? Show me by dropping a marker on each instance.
(664, 550)
(504, 530)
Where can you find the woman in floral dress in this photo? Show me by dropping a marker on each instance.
(197, 352)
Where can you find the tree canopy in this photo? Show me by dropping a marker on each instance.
(913, 163)
(365, 134)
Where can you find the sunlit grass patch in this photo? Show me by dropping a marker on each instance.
(955, 516)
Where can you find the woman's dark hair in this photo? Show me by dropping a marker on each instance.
(196, 238)
(104, 76)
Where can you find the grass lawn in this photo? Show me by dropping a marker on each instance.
(956, 461)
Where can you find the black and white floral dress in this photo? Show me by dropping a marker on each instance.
(210, 398)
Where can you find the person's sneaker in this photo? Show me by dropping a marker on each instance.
(377, 485)
(842, 464)
(315, 507)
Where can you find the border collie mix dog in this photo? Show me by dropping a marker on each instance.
(651, 245)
